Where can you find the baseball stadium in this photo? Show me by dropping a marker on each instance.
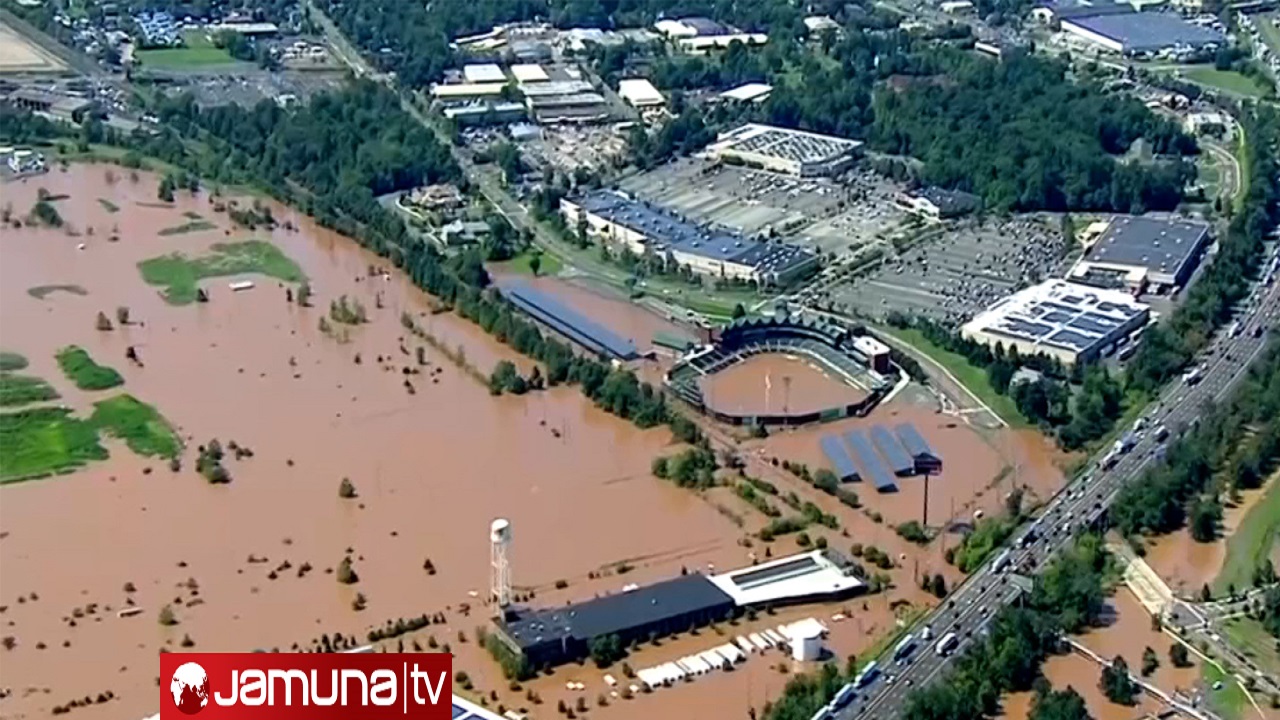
(783, 371)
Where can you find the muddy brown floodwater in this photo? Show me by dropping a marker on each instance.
(776, 384)
(432, 469)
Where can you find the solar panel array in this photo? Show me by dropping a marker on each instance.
(569, 322)
(840, 461)
(873, 468)
(899, 461)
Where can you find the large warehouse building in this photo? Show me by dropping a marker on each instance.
(642, 228)
(554, 636)
(1140, 252)
(1142, 33)
(794, 152)
(1070, 322)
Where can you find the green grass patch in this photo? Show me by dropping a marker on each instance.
(41, 292)
(108, 205)
(550, 264)
(1229, 702)
(197, 52)
(84, 372)
(192, 215)
(188, 227)
(1228, 80)
(180, 275)
(10, 361)
(971, 376)
(1252, 542)
(1252, 639)
(16, 390)
(42, 441)
(142, 428)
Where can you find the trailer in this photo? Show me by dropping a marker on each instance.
(947, 644)
(1001, 560)
(844, 696)
(904, 648)
(867, 675)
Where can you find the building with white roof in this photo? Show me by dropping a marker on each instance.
(750, 92)
(793, 152)
(484, 73)
(640, 93)
(820, 23)
(529, 73)
(1070, 322)
(807, 577)
(462, 92)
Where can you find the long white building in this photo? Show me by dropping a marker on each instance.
(783, 150)
(640, 228)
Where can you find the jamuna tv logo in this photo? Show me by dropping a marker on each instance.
(249, 686)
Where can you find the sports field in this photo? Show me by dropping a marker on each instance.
(197, 52)
(19, 55)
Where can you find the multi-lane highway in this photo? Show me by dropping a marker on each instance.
(971, 606)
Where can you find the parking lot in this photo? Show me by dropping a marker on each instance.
(832, 216)
(569, 148)
(970, 265)
(247, 88)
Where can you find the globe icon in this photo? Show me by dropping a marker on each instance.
(190, 688)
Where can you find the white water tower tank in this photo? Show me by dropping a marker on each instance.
(806, 642)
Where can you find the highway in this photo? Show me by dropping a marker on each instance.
(968, 609)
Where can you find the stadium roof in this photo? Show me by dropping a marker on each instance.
(838, 457)
(1059, 314)
(613, 613)
(679, 235)
(899, 461)
(1148, 31)
(569, 322)
(1161, 246)
(873, 468)
(751, 92)
(484, 73)
(640, 92)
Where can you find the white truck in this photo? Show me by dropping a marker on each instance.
(947, 644)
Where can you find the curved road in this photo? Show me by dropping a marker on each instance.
(968, 609)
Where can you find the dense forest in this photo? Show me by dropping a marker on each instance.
(1209, 303)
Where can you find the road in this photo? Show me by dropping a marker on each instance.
(1077, 505)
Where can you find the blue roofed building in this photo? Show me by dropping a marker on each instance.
(643, 229)
(891, 450)
(550, 311)
(839, 458)
(922, 454)
(1142, 33)
(1073, 323)
(873, 468)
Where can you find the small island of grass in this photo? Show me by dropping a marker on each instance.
(180, 275)
(42, 441)
(142, 428)
(84, 372)
(16, 390)
(197, 225)
(10, 361)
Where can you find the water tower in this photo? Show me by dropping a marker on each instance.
(499, 563)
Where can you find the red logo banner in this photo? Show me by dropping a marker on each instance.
(306, 686)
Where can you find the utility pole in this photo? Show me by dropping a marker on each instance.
(924, 519)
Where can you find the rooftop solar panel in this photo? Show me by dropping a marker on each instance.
(899, 461)
(869, 461)
(1070, 339)
(838, 458)
(569, 322)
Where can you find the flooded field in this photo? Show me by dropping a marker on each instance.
(249, 366)
(1127, 635)
(776, 384)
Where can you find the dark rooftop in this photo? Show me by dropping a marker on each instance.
(1149, 31)
(949, 202)
(614, 613)
(1161, 246)
(914, 442)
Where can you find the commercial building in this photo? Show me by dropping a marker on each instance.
(793, 152)
(817, 24)
(466, 92)
(640, 93)
(641, 229)
(478, 114)
(565, 101)
(875, 352)
(1137, 252)
(554, 636)
(939, 204)
(550, 311)
(692, 27)
(704, 44)
(484, 73)
(750, 92)
(1142, 33)
(529, 73)
(1070, 322)
(53, 105)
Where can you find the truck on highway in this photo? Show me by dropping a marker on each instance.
(904, 648)
(1234, 329)
(843, 697)
(868, 674)
(1109, 460)
(1001, 560)
(1162, 433)
(1125, 443)
(947, 644)
(1193, 376)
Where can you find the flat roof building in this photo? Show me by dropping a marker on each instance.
(703, 44)
(692, 27)
(939, 203)
(1142, 33)
(1136, 251)
(750, 92)
(529, 73)
(476, 114)
(640, 93)
(793, 152)
(641, 229)
(464, 92)
(484, 73)
(1070, 322)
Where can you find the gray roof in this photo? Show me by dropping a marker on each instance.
(705, 26)
(899, 461)
(677, 234)
(949, 202)
(569, 322)
(1149, 31)
(621, 611)
(1161, 246)
(914, 442)
(870, 462)
(839, 457)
